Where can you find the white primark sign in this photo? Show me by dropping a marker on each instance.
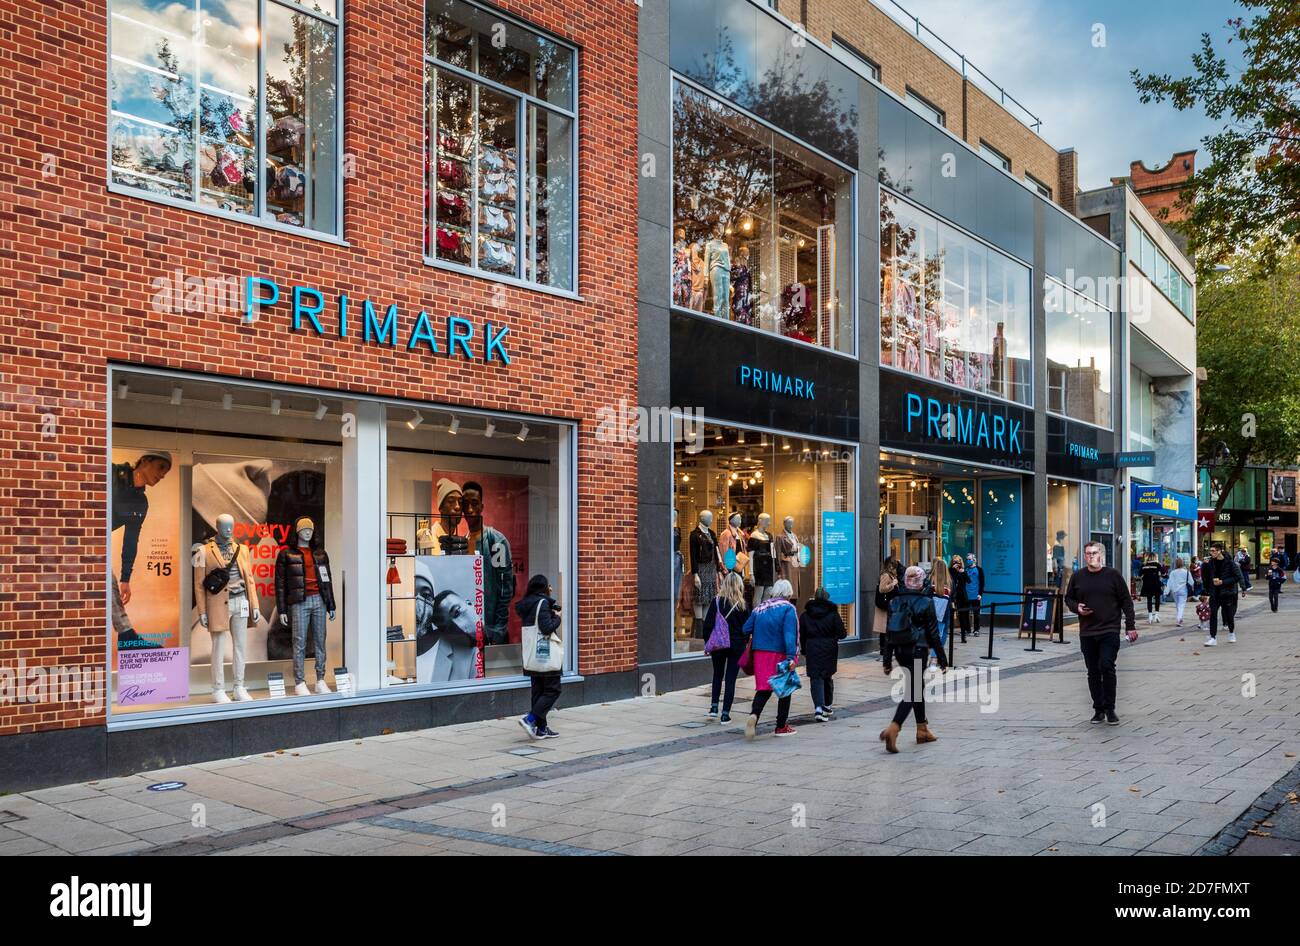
(76, 899)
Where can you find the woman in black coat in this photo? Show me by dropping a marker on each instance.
(1151, 589)
(820, 631)
(960, 594)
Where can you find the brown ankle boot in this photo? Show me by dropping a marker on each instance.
(889, 736)
(924, 735)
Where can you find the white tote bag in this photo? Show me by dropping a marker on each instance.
(543, 653)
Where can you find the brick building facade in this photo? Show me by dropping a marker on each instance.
(83, 268)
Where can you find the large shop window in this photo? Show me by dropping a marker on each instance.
(952, 309)
(214, 106)
(1064, 520)
(264, 541)
(765, 507)
(502, 148)
(762, 226)
(1078, 355)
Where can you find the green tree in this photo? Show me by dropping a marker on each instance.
(1248, 342)
(1249, 193)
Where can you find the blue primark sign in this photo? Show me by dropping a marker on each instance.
(971, 425)
(928, 418)
(379, 325)
(775, 382)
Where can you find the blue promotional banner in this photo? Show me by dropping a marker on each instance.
(1000, 536)
(839, 557)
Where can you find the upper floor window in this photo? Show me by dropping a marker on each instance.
(951, 308)
(230, 105)
(501, 156)
(920, 104)
(995, 156)
(1039, 186)
(1146, 255)
(868, 65)
(762, 226)
(1078, 355)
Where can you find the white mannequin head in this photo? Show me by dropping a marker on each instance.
(764, 520)
(225, 528)
(789, 523)
(706, 518)
(735, 520)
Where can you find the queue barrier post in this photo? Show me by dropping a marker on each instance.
(993, 623)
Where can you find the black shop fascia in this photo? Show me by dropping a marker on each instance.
(919, 417)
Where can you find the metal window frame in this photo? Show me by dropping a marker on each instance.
(258, 218)
(523, 99)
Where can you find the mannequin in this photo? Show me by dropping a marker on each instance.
(762, 556)
(717, 265)
(742, 299)
(733, 540)
(226, 612)
(304, 589)
(699, 278)
(677, 558)
(788, 545)
(704, 567)
(681, 268)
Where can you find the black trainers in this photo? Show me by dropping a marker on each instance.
(547, 732)
(713, 709)
(828, 711)
(724, 719)
(1098, 717)
(1112, 719)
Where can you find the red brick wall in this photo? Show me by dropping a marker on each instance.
(1159, 190)
(77, 265)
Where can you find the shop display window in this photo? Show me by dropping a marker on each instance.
(501, 153)
(474, 511)
(793, 502)
(1078, 356)
(762, 226)
(207, 479)
(245, 519)
(185, 122)
(1064, 522)
(951, 309)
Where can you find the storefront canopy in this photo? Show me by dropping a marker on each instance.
(1166, 503)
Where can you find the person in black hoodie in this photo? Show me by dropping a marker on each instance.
(1100, 596)
(1151, 589)
(545, 686)
(1223, 580)
(820, 631)
(726, 663)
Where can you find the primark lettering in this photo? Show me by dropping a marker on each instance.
(965, 425)
(774, 382)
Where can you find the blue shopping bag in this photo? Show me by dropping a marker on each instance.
(785, 681)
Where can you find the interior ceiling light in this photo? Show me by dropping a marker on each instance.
(275, 406)
(177, 394)
(416, 420)
(490, 429)
(523, 434)
(454, 427)
(321, 410)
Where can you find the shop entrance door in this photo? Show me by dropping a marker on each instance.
(910, 539)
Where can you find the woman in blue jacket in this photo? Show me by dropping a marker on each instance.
(773, 628)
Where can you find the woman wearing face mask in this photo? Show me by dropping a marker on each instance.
(539, 602)
(912, 631)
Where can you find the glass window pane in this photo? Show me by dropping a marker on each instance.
(549, 199)
(301, 112)
(498, 182)
(453, 173)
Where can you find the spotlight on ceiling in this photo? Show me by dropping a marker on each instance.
(523, 434)
(490, 429)
(177, 394)
(226, 401)
(321, 410)
(454, 427)
(416, 420)
(275, 406)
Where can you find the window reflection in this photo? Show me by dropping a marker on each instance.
(1078, 355)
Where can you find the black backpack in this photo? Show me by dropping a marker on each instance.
(902, 627)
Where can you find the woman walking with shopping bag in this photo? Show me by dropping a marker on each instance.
(773, 629)
(730, 606)
(543, 653)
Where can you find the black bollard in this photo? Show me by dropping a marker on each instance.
(993, 623)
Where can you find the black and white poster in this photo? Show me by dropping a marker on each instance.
(448, 618)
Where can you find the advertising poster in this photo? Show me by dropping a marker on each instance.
(839, 556)
(144, 552)
(265, 497)
(1000, 537)
(1284, 490)
(449, 629)
(495, 516)
(159, 675)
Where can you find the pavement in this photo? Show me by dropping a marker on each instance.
(1206, 734)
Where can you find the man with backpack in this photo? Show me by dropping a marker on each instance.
(911, 632)
(1100, 595)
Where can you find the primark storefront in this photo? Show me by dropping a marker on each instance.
(867, 355)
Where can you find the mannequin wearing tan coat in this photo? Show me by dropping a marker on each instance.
(226, 614)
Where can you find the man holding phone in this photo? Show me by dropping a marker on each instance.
(1099, 595)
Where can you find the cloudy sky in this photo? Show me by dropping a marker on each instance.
(1042, 52)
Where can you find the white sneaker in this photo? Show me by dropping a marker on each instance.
(241, 695)
(301, 690)
(1232, 638)
(322, 687)
(1157, 617)
(1211, 642)
(219, 696)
